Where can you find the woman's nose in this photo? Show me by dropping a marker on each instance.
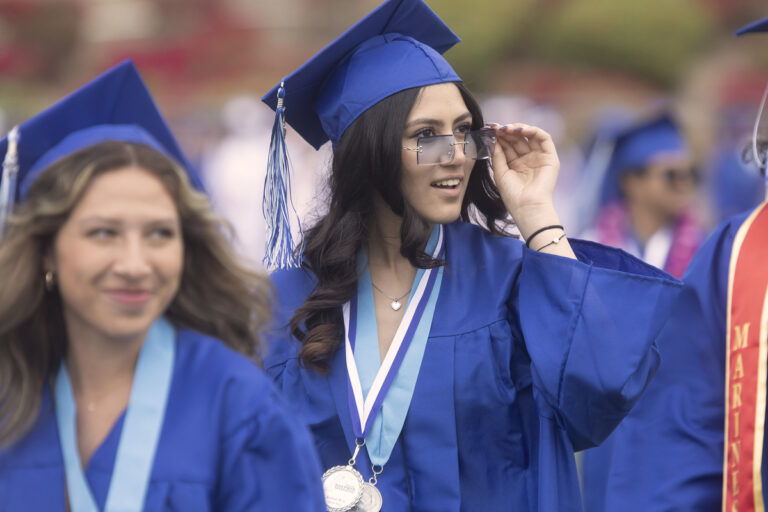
(132, 259)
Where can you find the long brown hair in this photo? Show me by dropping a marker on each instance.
(218, 296)
(368, 161)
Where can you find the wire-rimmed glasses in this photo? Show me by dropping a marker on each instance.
(440, 149)
(759, 147)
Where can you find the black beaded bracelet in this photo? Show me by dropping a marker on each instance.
(545, 228)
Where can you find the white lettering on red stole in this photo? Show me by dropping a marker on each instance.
(738, 345)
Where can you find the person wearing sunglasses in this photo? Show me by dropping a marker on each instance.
(647, 194)
(696, 440)
(441, 364)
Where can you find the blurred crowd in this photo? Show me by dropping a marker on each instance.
(590, 73)
(655, 112)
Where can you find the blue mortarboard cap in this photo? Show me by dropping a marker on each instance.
(755, 26)
(637, 145)
(114, 106)
(395, 47)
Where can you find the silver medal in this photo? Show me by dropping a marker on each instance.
(343, 486)
(371, 500)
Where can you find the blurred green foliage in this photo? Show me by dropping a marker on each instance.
(489, 29)
(654, 39)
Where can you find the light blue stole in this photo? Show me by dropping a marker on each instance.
(381, 419)
(141, 429)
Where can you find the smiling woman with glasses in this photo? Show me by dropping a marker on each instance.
(442, 364)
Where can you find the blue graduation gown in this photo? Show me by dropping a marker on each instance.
(227, 443)
(667, 455)
(529, 356)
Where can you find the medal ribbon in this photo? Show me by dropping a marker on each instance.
(413, 330)
(141, 429)
(746, 344)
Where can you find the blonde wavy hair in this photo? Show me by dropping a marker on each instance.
(218, 296)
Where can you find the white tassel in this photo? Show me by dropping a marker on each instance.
(8, 180)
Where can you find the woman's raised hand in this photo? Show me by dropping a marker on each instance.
(525, 168)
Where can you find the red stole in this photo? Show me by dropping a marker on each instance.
(745, 381)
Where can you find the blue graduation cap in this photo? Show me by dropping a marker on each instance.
(755, 26)
(114, 106)
(636, 146)
(396, 47)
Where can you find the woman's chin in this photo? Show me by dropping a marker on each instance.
(442, 217)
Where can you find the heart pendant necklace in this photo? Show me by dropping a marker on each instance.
(395, 304)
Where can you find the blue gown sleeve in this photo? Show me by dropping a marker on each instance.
(269, 463)
(291, 289)
(590, 328)
(668, 453)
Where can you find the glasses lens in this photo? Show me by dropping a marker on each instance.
(437, 149)
(480, 144)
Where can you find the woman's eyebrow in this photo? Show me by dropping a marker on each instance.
(435, 122)
(462, 117)
(424, 120)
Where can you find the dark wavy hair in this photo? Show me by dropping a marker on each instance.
(367, 161)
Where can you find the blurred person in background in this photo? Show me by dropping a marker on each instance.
(696, 440)
(444, 365)
(128, 327)
(647, 194)
(733, 184)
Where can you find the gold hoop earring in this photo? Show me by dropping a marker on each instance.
(49, 280)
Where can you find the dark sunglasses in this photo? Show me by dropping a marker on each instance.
(674, 177)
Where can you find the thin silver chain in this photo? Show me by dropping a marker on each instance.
(393, 299)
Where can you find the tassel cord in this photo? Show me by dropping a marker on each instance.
(277, 207)
(8, 180)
